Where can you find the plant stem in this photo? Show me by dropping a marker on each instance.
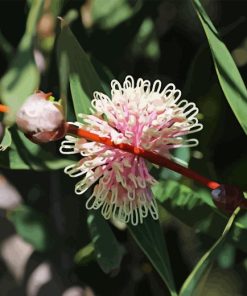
(4, 108)
(149, 155)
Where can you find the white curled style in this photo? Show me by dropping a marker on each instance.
(129, 82)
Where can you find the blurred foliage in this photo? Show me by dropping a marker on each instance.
(109, 14)
(108, 251)
(32, 227)
(85, 254)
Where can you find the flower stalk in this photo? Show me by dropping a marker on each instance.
(4, 108)
(148, 155)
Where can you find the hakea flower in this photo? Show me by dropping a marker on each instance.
(142, 115)
(41, 119)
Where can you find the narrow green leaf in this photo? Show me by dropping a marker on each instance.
(56, 6)
(23, 77)
(63, 71)
(32, 227)
(23, 154)
(192, 283)
(108, 251)
(150, 239)
(229, 77)
(6, 140)
(83, 82)
(196, 209)
(83, 78)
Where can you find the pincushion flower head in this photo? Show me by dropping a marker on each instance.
(140, 114)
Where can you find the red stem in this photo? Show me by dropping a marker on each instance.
(4, 108)
(149, 155)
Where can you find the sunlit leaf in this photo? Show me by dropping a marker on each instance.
(192, 284)
(24, 154)
(229, 77)
(108, 251)
(150, 239)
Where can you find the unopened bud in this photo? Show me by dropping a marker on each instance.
(228, 198)
(41, 119)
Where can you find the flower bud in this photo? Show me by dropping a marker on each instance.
(41, 119)
(228, 197)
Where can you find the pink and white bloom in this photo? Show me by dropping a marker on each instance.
(140, 114)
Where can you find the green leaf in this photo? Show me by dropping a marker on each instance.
(108, 251)
(150, 239)
(192, 285)
(23, 77)
(108, 14)
(6, 140)
(82, 77)
(23, 154)
(56, 6)
(85, 254)
(83, 82)
(229, 77)
(32, 227)
(197, 210)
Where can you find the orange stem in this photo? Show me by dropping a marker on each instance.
(149, 155)
(4, 108)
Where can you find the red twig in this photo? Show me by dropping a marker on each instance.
(149, 155)
(4, 108)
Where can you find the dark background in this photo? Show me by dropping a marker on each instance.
(179, 38)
